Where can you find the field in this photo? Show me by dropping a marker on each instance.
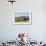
(22, 19)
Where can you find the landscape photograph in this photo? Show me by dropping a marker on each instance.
(22, 17)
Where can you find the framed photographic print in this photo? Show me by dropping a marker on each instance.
(22, 17)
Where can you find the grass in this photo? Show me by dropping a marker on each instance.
(22, 19)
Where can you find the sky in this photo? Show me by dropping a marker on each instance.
(22, 14)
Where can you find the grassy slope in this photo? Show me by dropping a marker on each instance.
(21, 19)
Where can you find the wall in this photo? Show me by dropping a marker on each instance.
(37, 30)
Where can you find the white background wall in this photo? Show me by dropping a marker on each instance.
(37, 30)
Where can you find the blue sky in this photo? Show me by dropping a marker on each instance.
(22, 14)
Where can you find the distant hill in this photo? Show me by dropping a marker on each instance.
(22, 19)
